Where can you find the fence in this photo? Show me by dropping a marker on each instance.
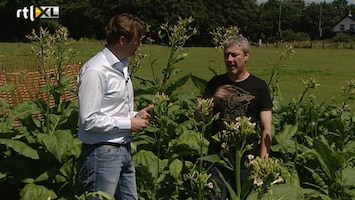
(23, 73)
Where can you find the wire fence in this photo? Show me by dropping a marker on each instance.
(22, 72)
(18, 63)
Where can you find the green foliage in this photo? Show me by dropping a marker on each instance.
(289, 36)
(313, 143)
(264, 173)
(343, 37)
(176, 35)
(45, 138)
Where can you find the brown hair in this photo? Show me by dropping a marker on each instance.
(126, 25)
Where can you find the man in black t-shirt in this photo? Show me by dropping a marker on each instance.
(239, 93)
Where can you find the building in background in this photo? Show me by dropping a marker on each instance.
(346, 25)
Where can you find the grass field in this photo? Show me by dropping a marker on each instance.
(331, 68)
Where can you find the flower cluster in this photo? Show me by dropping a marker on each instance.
(179, 33)
(220, 34)
(201, 179)
(264, 172)
(311, 83)
(205, 109)
(52, 49)
(161, 97)
(236, 133)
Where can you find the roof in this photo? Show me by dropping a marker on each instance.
(349, 16)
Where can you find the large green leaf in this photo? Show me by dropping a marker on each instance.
(148, 159)
(349, 149)
(68, 172)
(2, 175)
(176, 84)
(58, 143)
(280, 192)
(21, 148)
(284, 191)
(53, 121)
(291, 177)
(99, 194)
(319, 181)
(175, 168)
(214, 158)
(145, 90)
(73, 150)
(144, 80)
(47, 175)
(349, 177)
(33, 191)
(327, 157)
(232, 193)
(199, 83)
(317, 195)
(350, 192)
(287, 133)
(284, 140)
(21, 111)
(190, 141)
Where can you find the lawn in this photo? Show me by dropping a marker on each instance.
(331, 68)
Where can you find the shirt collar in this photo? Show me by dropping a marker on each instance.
(112, 59)
(120, 65)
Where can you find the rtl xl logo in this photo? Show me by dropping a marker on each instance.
(43, 12)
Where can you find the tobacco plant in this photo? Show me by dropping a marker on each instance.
(313, 143)
(176, 36)
(233, 141)
(41, 153)
(159, 150)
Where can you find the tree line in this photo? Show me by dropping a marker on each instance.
(274, 20)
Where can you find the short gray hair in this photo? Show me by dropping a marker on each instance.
(239, 40)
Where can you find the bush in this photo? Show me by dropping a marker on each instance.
(288, 35)
(343, 37)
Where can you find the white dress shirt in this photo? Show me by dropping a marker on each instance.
(105, 100)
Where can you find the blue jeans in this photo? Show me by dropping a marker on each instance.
(109, 169)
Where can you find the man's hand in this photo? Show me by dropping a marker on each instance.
(144, 113)
(141, 120)
(139, 124)
(222, 92)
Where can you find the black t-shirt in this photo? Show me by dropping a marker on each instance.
(248, 98)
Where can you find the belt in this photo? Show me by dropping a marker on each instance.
(87, 146)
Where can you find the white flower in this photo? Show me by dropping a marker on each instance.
(250, 157)
(210, 185)
(279, 180)
(258, 182)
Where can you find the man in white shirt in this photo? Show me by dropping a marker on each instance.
(106, 113)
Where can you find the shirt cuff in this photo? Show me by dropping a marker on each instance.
(124, 124)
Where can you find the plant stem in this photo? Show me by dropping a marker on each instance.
(200, 187)
(237, 172)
